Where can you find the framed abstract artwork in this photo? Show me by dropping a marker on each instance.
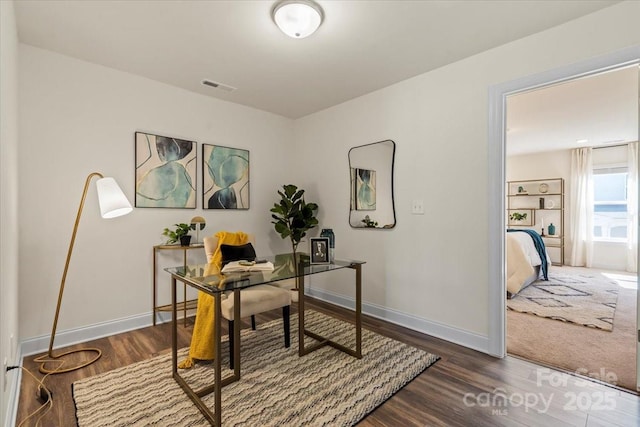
(225, 177)
(165, 172)
(365, 190)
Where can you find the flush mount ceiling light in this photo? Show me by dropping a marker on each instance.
(297, 18)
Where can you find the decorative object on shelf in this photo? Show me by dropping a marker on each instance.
(521, 217)
(552, 229)
(165, 172)
(544, 187)
(181, 233)
(550, 204)
(293, 216)
(368, 222)
(521, 190)
(198, 223)
(518, 216)
(541, 202)
(225, 177)
(297, 18)
(113, 203)
(319, 250)
(328, 233)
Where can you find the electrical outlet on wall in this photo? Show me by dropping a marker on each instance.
(417, 207)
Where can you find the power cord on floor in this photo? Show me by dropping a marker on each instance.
(44, 395)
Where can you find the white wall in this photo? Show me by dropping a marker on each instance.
(431, 271)
(76, 118)
(8, 204)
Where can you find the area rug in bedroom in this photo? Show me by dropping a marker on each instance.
(326, 387)
(584, 299)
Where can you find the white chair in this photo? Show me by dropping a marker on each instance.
(254, 300)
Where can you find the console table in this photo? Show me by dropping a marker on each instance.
(208, 279)
(184, 304)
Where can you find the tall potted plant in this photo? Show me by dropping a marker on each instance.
(292, 216)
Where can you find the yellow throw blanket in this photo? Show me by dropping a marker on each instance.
(202, 340)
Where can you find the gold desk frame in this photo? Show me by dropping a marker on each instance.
(323, 341)
(215, 418)
(196, 395)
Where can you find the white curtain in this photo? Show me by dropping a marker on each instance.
(632, 207)
(581, 208)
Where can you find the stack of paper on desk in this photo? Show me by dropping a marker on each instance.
(247, 266)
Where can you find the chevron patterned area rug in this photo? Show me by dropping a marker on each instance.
(326, 387)
(584, 299)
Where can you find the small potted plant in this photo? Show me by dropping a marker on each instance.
(181, 233)
(369, 223)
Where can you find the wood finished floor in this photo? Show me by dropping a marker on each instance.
(464, 388)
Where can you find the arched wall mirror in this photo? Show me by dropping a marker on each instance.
(371, 171)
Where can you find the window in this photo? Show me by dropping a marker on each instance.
(610, 203)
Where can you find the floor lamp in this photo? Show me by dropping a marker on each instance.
(113, 203)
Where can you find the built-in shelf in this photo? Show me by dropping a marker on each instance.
(542, 200)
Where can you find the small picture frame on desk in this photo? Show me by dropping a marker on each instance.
(319, 250)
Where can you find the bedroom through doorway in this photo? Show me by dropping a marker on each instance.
(571, 169)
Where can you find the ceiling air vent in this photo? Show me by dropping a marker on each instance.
(217, 85)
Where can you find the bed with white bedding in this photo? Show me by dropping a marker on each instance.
(525, 264)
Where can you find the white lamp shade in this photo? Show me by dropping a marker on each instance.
(297, 18)
(113, 202)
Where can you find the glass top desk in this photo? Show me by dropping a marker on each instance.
(208, 279)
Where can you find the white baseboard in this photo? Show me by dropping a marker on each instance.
(448, 333)
(86, 333)
(112, 327)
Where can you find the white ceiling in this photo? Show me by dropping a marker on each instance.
(601, 109)
(362, 46)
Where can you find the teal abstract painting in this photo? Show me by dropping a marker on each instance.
(165, 172)
(225, 177)
(365, 190)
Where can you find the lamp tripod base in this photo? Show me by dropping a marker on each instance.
(50, 358)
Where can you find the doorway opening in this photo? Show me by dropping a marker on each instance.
(582, 317)
(501, 133)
